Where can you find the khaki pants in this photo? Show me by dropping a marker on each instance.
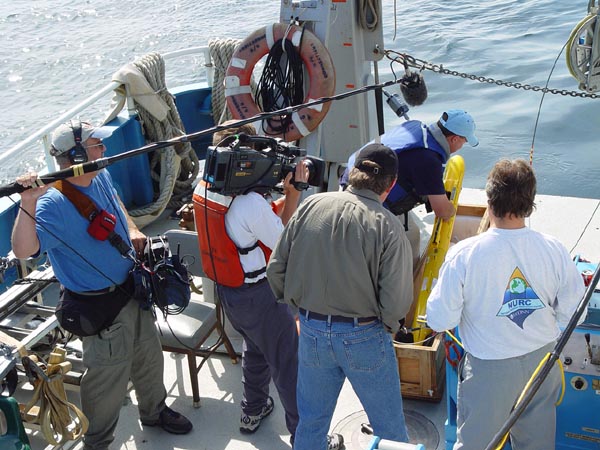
(128, 349)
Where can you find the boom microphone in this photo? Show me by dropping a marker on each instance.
(412, 86)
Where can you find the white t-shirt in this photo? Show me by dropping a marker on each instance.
(250, 218)
(506, 290)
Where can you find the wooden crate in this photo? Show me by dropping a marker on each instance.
(422, 369)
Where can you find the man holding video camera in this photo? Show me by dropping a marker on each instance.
(269, 330)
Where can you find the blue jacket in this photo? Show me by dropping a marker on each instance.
(412, 134)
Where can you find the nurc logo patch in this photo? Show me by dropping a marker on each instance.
(520, 300)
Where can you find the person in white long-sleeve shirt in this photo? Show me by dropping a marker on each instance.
(507, 290)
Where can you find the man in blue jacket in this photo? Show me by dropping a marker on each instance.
(422, 152)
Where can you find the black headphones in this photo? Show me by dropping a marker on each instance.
(78, 154)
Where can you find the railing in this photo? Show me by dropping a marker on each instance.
(44, 132)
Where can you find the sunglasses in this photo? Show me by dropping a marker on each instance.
(95, 145)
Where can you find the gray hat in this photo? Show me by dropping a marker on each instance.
(63, 138)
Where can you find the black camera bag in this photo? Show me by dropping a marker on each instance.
(169, 280)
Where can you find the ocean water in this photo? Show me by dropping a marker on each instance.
(54, 53)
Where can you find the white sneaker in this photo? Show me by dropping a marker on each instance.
(249, 424)
(335, 441)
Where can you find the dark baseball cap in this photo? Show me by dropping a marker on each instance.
(379, 154)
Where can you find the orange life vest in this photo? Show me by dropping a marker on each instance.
(220, 256)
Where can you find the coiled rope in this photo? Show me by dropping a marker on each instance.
(175, 168)
(369, 14)
(221, 51)
(580, 48)
(59, 419)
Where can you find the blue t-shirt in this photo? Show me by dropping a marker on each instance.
(423, 169)
(80, 262)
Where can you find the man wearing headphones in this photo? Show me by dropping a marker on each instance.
(93, 270)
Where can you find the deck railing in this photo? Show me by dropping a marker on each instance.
(44, 132)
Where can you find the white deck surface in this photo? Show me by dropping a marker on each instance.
(576, 222)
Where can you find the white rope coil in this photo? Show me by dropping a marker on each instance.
(174, 168)
(369, 14)
(221, 51)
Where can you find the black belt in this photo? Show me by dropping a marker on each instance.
(98, 292)
(107, 290)
(334, 318)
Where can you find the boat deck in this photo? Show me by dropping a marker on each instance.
(575, 221)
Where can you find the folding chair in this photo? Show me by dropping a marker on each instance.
(186, 333)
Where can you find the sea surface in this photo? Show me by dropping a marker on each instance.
(54, 53)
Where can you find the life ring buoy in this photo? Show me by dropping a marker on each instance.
(316, 59)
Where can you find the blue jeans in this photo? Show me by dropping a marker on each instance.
(330, 352)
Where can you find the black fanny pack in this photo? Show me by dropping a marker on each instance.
(89, 313)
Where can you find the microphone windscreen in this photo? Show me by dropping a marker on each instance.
(413, 88)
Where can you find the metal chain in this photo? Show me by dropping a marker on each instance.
(410, 61)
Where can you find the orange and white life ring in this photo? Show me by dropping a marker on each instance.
(316, 59)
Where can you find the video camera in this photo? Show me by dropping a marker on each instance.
(233, 167)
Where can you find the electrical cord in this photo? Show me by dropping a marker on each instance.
(528, 386)
(281, 84)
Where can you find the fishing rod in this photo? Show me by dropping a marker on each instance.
(92, 166)
(547, 367)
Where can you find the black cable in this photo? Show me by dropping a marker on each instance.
(379, 109)
(281, 85)
(585, 228)
(537, 118)
(87, 261)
